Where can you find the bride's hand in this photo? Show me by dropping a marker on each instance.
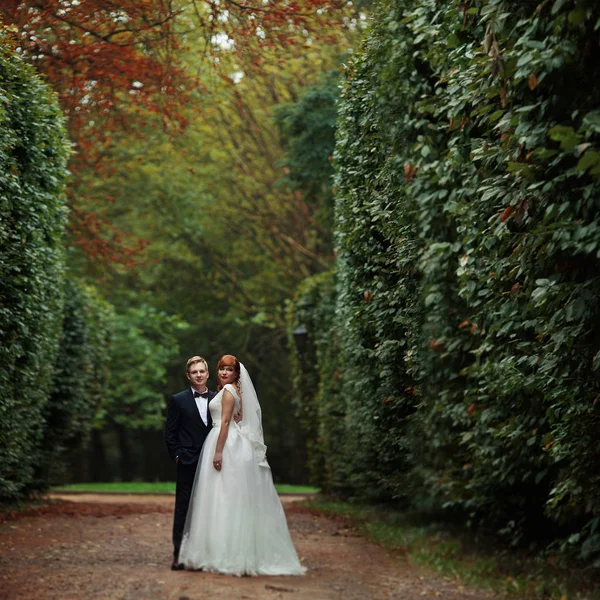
(218, 460)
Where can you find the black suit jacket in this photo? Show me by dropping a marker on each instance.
(185, 431)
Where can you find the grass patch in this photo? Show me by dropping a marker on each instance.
(129, 487)
(159, 487)
(464, 555)
(285, 488)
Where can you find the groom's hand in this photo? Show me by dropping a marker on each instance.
(237, 417)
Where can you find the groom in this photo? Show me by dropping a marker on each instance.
(188, 423)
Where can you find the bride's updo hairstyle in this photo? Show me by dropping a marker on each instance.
(228, 360)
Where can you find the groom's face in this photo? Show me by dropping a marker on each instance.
(198, 375)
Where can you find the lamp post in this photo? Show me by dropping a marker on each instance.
(300, 339)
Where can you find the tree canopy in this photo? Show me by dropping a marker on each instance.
(115, 64)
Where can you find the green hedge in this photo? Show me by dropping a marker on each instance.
(316, 380)
(468, 242)
(80, 380)
(33, 161)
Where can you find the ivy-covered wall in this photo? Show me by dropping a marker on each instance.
(33, 161)
(468, 240)
(316, 379)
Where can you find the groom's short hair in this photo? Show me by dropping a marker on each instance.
(193, 361)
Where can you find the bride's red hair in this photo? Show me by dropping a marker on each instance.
(228, 360)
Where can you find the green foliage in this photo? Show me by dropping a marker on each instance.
(314, 357)
(230, 234)
(366, 382)
(144, 342)
(510, 226)
(375, 238)
(308, 133)
(33, 157)
(80, 379)
(468, 238)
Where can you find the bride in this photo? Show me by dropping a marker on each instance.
(235, 523)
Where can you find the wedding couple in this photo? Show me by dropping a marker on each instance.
(228, 517)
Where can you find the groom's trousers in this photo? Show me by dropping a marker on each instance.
(183, 491)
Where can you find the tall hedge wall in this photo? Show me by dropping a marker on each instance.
(316, 379)
(55, 332)
(468, 234)
(79, 382)
(33, 161)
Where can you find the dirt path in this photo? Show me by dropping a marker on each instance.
(118, 547)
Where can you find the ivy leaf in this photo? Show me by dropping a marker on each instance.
(592, 121)
(558, 5)
(566, 136)
(590, 160)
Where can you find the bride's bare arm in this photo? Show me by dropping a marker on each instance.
(227, 404)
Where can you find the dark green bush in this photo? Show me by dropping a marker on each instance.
(33, 161)
(80, 380)
(364, 383)
(468, 238)
(377, 316)
(507, 185)
(316, 371)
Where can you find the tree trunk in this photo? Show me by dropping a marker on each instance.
(98, 467)
(125, 460)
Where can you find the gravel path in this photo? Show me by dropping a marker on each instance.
(118, 547)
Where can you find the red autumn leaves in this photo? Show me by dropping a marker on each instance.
(113, 62)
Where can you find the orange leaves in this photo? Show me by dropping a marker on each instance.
(104, 69)
(532, 82)
(436, 345)
(103, 242)
(409, 171)
(115, 66)
(466, 323)
(506, 213)
(93, 60)
(518, 211)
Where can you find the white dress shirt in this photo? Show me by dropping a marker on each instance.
(202, 404)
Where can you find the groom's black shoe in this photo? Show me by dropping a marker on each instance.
(177, 566)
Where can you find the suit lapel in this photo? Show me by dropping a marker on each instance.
(209, 418)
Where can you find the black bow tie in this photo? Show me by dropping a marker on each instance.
(203, 394)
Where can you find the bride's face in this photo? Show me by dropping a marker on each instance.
(226, 374)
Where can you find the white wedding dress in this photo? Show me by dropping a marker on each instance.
(235, 523)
